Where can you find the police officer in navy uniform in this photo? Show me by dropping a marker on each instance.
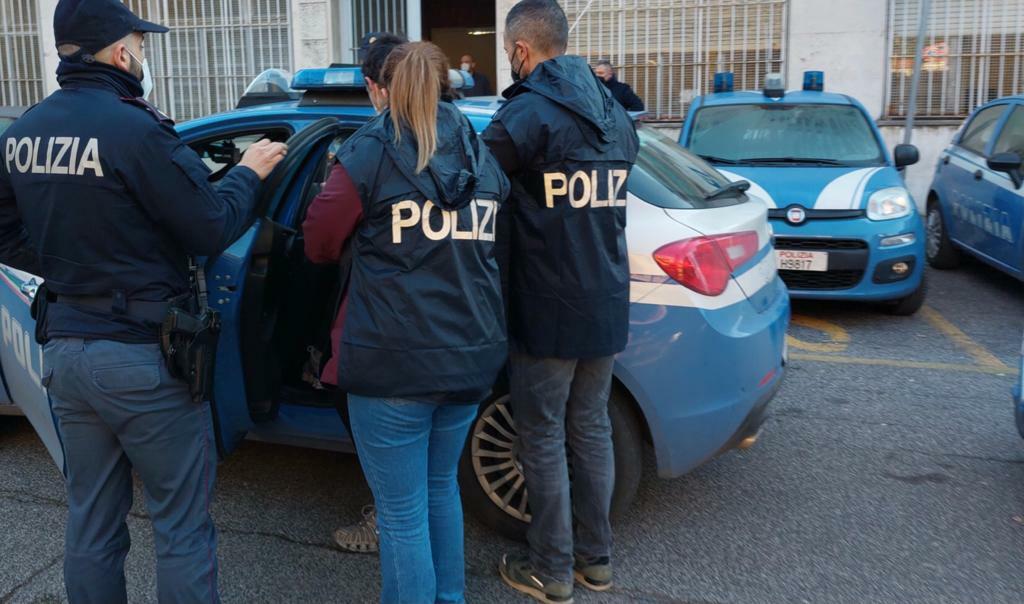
(100, 197)
(568, 148)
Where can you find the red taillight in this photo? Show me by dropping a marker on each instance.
(705, 264)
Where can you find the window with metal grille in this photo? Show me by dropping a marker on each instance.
(213, 51)
(973, 53)
(21, 61)
(669, 50)
(377, 16)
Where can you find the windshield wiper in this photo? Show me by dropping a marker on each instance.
(719, 160)
(814, 161)
(733, 189)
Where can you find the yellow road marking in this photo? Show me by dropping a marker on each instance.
(838, 338)
(982, 356)
(844, 360)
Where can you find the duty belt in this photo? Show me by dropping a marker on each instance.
(143, 310)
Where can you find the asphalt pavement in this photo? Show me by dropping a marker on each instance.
(890, 471)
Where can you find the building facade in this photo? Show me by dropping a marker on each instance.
(668, 50)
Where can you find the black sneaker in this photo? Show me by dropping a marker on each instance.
(595, 574)
(518, 573)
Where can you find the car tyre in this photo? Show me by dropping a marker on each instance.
(939, 249)
(904, 307)
(495, 493)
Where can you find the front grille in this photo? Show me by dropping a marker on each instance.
(796, 243)
(839, 279)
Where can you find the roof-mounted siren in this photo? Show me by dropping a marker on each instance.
(774, 86)
(814, 81)
(723, 81)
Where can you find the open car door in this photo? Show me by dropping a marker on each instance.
(22, 359)
(243, 286)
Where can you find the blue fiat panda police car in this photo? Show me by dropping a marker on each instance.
(976, 202)
(846, 228)
(707, 320)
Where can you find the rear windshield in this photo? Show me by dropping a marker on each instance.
(786, 134)
(669, 176)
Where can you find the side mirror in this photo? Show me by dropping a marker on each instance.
(905, 155)
(1010, 163)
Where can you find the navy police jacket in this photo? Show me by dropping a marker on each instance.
(425, 318)
(568, 148)
(100, 197)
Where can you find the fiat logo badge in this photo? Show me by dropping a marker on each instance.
(796, 215)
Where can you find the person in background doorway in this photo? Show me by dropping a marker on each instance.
(481, 85)
(622, 91)
(331, 220)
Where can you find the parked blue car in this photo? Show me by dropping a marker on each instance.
(1018, 394)
(976, 202)
(708, 317)
(846, 227)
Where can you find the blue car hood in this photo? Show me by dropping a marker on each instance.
(822, 188)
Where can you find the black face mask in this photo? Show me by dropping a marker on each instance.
(516, 75)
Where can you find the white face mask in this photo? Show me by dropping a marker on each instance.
(147, 77)
(465, 66)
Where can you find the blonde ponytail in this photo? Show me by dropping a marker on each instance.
(415, 74)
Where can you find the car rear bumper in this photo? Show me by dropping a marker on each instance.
(703, 379)
(859, 267)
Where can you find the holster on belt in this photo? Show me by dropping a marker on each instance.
(189, 345)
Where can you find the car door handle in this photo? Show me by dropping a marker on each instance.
(978, 175)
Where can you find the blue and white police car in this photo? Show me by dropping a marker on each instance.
(709, 313)
(976, 201)
(846, 228)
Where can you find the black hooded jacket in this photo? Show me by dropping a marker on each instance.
(425, 314)
(568, 148)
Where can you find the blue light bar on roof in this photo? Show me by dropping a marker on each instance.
(814, 81)
(723, 81)
(332, 78)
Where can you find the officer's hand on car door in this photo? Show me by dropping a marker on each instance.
(262, 156)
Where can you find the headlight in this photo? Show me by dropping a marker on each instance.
(889, 204)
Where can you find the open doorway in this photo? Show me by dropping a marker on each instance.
(463, 28)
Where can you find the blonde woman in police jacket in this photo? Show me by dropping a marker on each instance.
(424, 334)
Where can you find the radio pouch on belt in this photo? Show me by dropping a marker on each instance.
(188, 338)
(38, 312)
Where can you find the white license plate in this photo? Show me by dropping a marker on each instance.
(799, 260)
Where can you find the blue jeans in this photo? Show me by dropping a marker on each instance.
(119, 409)
(553, 399)
(410, 454)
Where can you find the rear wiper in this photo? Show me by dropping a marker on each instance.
(733, 189)
(719, 160)
(817, 161)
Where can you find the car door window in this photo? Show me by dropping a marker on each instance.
(1011, 139)
(979, 132)
(223, 153)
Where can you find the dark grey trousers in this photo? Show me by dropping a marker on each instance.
(119, 409)
(555, 401)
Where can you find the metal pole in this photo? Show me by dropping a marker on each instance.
(922, 28)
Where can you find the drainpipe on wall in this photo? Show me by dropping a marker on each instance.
(915, 80)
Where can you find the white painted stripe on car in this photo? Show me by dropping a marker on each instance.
(845, 192)
(755, 189)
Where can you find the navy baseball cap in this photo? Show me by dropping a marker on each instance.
(94, 25)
